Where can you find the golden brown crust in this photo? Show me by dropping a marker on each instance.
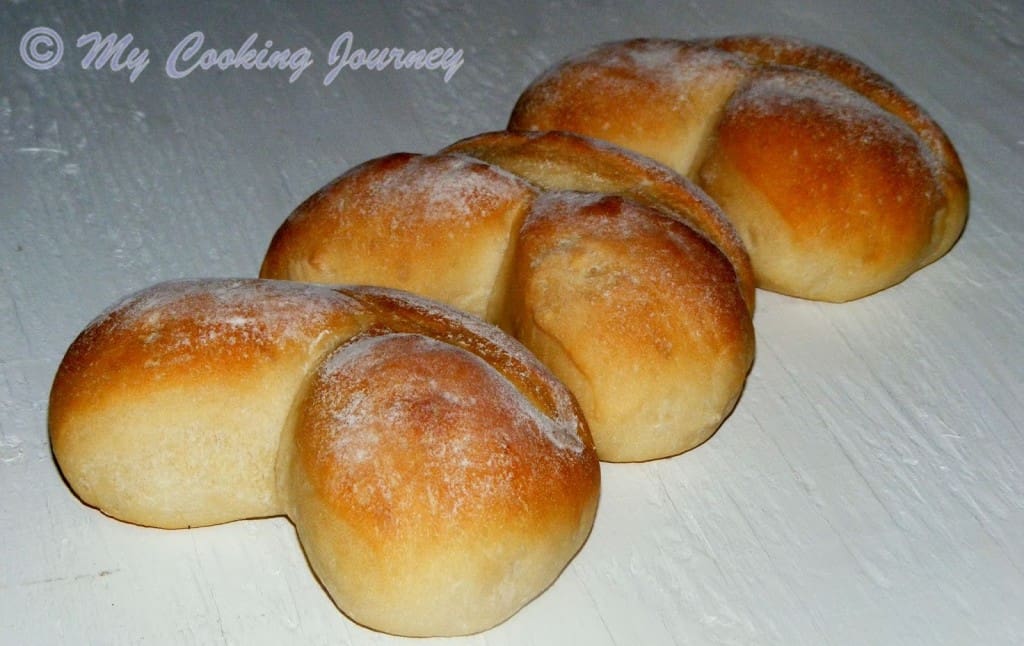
(564, 161)
(400, 312)
(848, 186)
(200, 402)
(950, 215)
(679, 86)
(777, 51)
(640, 316)
(676, 405)
(357, 229)
(824, 211)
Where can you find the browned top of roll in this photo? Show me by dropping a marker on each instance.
(570, 162)
(775, 50)
(461, 213)
(402, 426)
(668, 72)
(661, 97)
(193, 331)
(400, 312)
(772, 55)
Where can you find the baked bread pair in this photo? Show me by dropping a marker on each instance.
(437, 475)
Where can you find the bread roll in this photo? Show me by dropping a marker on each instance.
(838, 184)
(438, 476)
(656, 349)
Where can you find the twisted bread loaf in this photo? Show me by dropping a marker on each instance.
(838, 184)
(437, 475)
(616, 272)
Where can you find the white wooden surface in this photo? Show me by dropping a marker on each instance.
(869, 488)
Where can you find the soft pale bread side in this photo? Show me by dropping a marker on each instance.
(647, 388)
(438, 476)
(838, 184)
